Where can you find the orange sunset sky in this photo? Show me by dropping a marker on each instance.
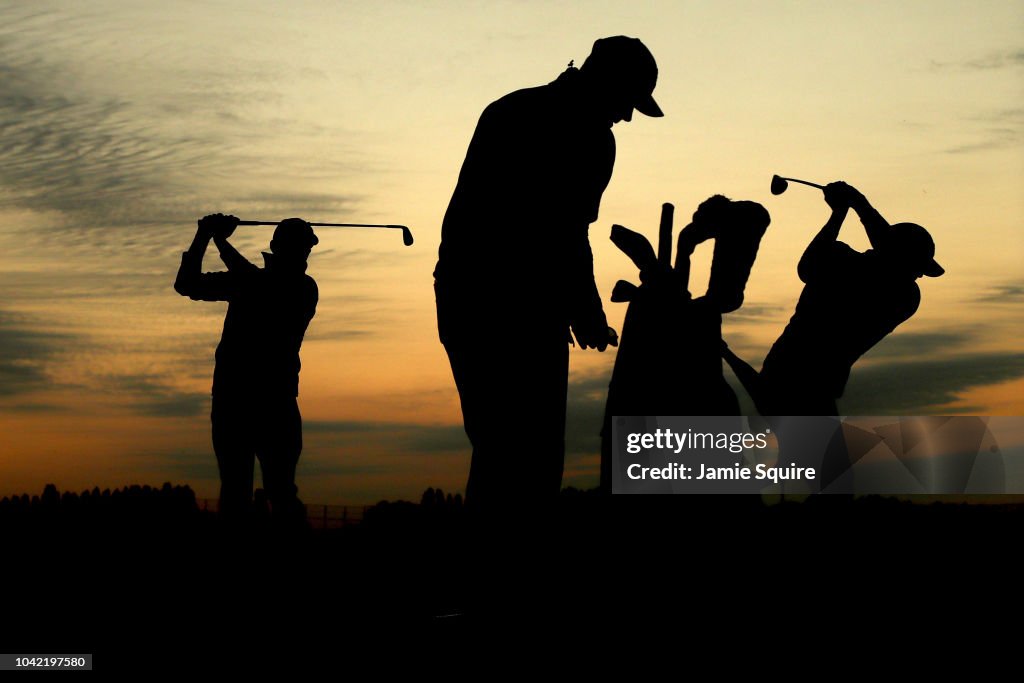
(123, 122)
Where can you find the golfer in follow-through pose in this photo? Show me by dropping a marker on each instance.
(256, 380)
(851, 301)
(515, 268)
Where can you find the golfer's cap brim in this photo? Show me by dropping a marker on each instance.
(933, 269)
(648, 107)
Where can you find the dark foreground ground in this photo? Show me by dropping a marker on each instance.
(151, 578)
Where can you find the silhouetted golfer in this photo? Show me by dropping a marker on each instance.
(256, 380)
(851, 300)
(515, 268)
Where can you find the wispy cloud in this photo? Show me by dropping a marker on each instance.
(313, 206)
(93, 158)
(25, 353)
(151, 396)
(920, 344)
(72, 283)
(34, 360)
(347, 317)
(1013, 115)
(896, 384)
(1009, 293)
(995, 130)
(585, 411)
(387, 437)
(908, 387)
(992, 138)
(999, 59)
(159, 146)
(756, 312)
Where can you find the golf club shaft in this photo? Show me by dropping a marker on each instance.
(665, 235)
(804, 182)
(406, 233)
(330, 225)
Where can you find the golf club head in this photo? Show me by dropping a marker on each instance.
(406, 236)
(635, 246)
(624, 291)
(779, 184)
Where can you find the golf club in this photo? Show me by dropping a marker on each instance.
(780, 184)
(406, 233)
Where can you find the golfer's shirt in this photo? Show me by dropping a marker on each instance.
(514, 240)
(269, 310)
(851, 301)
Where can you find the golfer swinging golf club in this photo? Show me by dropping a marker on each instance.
(515, 268)
(256, 380)
(851, 301)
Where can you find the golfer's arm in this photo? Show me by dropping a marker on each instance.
(586, 300)
(186, 282)
(876, 227)
(819, 247)
(231, 256)
(197, 285)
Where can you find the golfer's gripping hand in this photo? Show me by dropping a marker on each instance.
(840, 195)
(217, 225)
(599, 339)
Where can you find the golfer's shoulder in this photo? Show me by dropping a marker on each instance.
(840, 254)
(841, 249)
(833, 255)
(519, 102)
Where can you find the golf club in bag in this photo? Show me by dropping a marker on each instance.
(669, 358)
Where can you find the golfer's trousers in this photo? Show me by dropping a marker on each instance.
(513, 406)
(246, 428)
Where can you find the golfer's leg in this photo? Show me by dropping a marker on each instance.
(472, 371)
(278, 453)
(519, 445)
(541, 447)
(233, 446)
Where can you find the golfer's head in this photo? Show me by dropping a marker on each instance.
(623, 73)
(293, 239)
(912, 249)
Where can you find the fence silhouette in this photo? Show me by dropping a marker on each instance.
(318, 516)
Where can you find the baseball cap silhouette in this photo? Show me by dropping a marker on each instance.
(913, 243)
(627, 65)
(295, 231)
